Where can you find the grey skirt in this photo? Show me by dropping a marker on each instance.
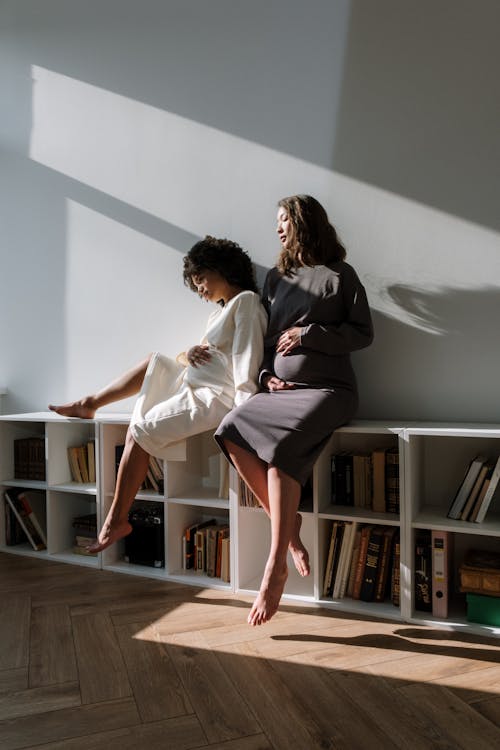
(288, 429)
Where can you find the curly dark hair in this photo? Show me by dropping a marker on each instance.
(223, 256)
(314, 240)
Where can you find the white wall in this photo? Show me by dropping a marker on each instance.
(132, 129)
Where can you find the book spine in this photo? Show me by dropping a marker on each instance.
(367, 591)
(441, 571)
(360, 567)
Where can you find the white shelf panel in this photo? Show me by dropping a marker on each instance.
(137, 570)
(79, 487)
(362, 515)
(434, 519)
(29, 484)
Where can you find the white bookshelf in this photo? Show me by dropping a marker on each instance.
(432, 461)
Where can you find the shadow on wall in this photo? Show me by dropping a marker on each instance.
(445, 344)
(420, 106)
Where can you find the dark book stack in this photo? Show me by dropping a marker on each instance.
(423, 571)
(145, 545)
(29, 458)
(85, 531)
(205, 546)
(366, 479)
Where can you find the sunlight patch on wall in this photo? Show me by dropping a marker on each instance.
(204, 180)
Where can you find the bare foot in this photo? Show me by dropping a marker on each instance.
(110, 533)
(268, 599)
(299, 553)
(82, 409)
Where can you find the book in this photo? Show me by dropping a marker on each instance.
(29, 458)
(327, 578)
(74, 464)
(339, 536)
(485, 470)
(26, 518)
(82, 463)
(392, 480)
(361, 561)
(91, 460)
(211, 550)
(225, 568)
(354, 563)
(423, 572)
(342, 484)
(465, 487)
(480, 573)
(383, 568)
(367, 590)
(345, 563)
(441, 571)
(361, 470)
(222, 533)
(396, 571)
(189, 543)
(488, 495)
(482, 492)
(378, 480)
(14, 532)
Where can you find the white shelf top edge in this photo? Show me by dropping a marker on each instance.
(50, 416)
(421, 427)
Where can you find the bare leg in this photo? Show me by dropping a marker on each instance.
(284, 497)
(254, 473)
(131, 473)
(126, 385)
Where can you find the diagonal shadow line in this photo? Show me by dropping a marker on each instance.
(121, 211)
(396, 643)
(140, 221)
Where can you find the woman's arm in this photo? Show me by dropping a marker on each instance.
(248, 346)
(355, 332)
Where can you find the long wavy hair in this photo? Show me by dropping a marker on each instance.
(313, 240)
(223, 256)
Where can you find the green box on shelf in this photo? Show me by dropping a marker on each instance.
(483, 609)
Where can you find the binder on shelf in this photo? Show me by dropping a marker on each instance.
(441, 572)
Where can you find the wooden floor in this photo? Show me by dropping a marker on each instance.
(91, 659)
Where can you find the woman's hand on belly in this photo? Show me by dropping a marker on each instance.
(272, 383)
(198, 355)
(289, 340)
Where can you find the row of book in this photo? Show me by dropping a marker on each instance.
(363, 562)
(366, 480)
(21, 521)
(81, 460)
(205, 549)
(29, 458)
(476, 491)
(154, 479)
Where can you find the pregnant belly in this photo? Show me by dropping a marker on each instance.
(212, 374)
(294, 368)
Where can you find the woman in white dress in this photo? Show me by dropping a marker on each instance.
(192, 393)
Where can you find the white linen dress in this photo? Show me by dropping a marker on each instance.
(178, 400)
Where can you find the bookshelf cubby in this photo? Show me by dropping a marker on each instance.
(432, 462)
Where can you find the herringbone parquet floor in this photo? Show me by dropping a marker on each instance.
(97, 660)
